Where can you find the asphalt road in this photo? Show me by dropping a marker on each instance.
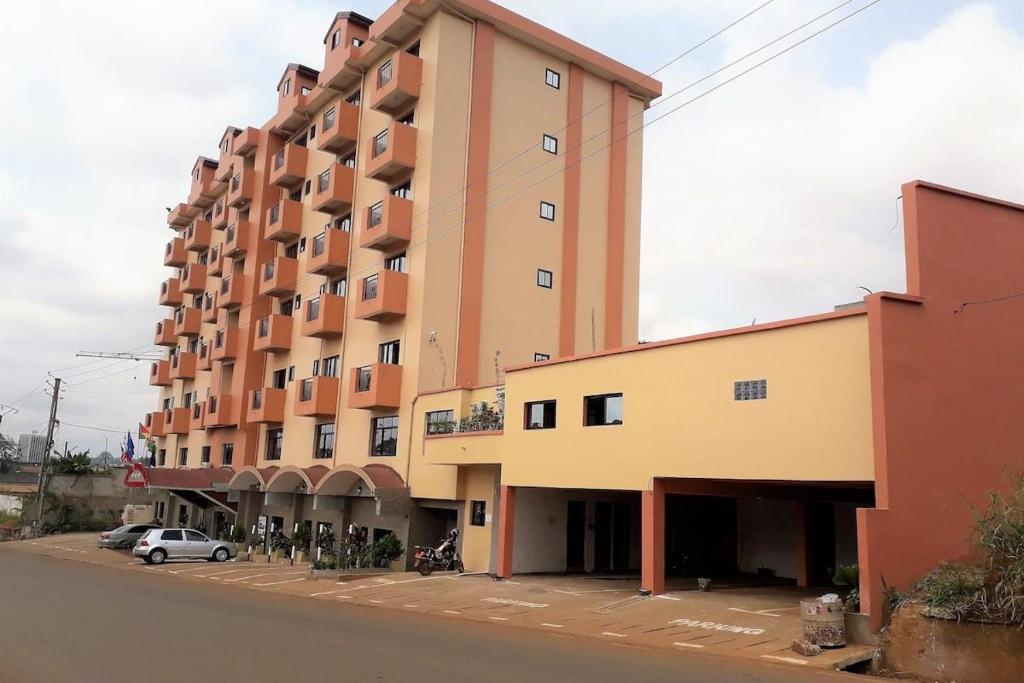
(62, 620)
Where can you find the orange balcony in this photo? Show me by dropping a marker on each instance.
(381, 296)
(397, 83)
(324, 317)
(220, 214)
(236, 237)
(273, 333)
(230, 295)
(187, 322)
(197, 236)
(375, 386)
(204, 185)
(388, 223)
(160, 373)
(341, 68)
(193, 278)
(210, 307)
(266, 406)
(328, 255)
(170, 292)
(317, 397)
(165, 333)
(391, 152)
(216, 266)
(332, 192)
(176, 420)
(241, 187)
(155, 422)
(339, 128)
(225, 344)
(205, 354)
(218, 411)
(288, 167)
(180, 216)
(183, 365)
(246, 142)
(284, 221)
(278, 277)
(175, 254)
(196, 414)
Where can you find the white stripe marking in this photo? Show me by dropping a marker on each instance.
(412, 606)
(256, 576)
(613, 635)
(553, 625)
(376, 602)
(274, 583)
(688, 644)
(667, 597)
(788, 660)
(567, 592)
(313, 595)
(762, 612)
(187, 569)
(498, 618)
(451, 611)
(343, 597)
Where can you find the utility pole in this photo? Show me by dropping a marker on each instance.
(49, 444)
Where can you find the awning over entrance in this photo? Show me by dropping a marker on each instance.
(248, 477)
(345, 479)
(204, 487)
(290, 479)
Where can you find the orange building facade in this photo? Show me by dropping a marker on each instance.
(457, 189)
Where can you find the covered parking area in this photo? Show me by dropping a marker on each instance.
(752, 532)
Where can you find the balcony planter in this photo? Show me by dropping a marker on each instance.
(246, 142)
(176, 420)
(316, 397)
(339, 128)
(170, 292)
(240, 188)
(196, 414)
(225, 344)
(266, 406)
(216, 265)
(236, 237)
(218, 411)
(165, 335)
(193, 278)
(210, 307)
(220, 214)
(187, 322)
(183, 365)
(160, 373)
(180, 216)
(231, 294)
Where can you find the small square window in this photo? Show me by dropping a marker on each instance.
(312, 131)
(539, 415)
(541, 357)
(602, 410)
(550, 144)
(750, 390)
(547, 211)
(544, 278)
(553, 78)
(478, 514)
(440, 422)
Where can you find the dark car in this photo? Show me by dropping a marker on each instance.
(124, 537)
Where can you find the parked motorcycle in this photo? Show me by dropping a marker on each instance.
(444, 557)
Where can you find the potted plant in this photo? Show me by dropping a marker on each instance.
(301, 540)
(386, 550)
(238, 538)
(280, 545)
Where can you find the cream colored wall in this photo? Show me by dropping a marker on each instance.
(518, 317)
(477, 483)
(631, 256)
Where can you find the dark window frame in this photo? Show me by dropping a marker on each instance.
(543, 275)
(549, 413)
(384, 436)
(601, 409)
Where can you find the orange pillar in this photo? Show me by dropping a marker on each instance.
(802, 548)
(653, 562)
(506, 531)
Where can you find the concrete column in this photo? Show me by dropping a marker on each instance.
(652, 565)
(802, 548)
(506, 531)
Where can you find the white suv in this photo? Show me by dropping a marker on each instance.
(169, 544)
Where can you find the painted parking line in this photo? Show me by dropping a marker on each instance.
(552, 625)
(412, 606)
(667, 597)
(498, 618)
(377, 602)
(610, 634)
(188, 569)
(274, 583)
(567, 592)
(694, 645)
(788, 660)
(257, 576)
(315, 595)
(762, 612)
(450, 611)
(343, 597)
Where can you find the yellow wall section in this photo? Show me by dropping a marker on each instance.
(477, 483)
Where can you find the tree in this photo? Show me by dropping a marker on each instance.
(72, 463)
(8, 453)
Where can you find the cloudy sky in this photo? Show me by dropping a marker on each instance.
(774, 196)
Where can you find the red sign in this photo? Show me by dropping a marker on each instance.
(137, 476)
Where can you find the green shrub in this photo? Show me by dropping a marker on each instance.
(238, 536)
(387, 550)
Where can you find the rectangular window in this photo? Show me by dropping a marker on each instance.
(275, 213)
(478, 514)
(287, 307)
(316, 369)
(279, 378)
(312, 131)
(414, 49)
(547, 211)
(388, 352)
(323, 437)
(343, 223)
(313, 309)
(329, 117)
(541, 357)
(323, 181)
(553, 78)
(330, 367)
(539, 415)
(363, 379)
(355, 98)
(275, 443)
(750, 390)
(291, 372)
(336, 39)
(395, 263)
(370, 287)
(544, 278)
(204, 455)
(409, 118)
(339, 287)
(227, 453)
(182, 457)
(287, 87)
(550, 144)
(161, 457)
(380, 143)
(605, 409)
(404, 190)
(349, 160)
(440, 422)
(384, 436)
(384, 74)
(376, 214)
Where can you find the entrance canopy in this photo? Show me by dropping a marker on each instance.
(204, 487)
(249, 477)
(290, 479)
(345, 480)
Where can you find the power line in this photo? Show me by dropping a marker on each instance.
(65, 423)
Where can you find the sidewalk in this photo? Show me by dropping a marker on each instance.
(756, 623)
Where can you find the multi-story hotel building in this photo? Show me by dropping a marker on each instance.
(455, 191)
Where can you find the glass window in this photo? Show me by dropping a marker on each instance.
(336, 38)
(370, 287)
(195, 536)
(395, 263)
(339, 287)
(204, 456)
(363, 379)
(279, 378)
(354, 98)
(323, 181)
(404, 190)
(547, 211)
(384, 436)
(550, 144)
(376, 214)
(409, 118)
(478, 516)
(161, 457)
(553, 78)
(440, 422)
(172, 535)
(605, 409)
(343, 222)
(540, 415)
(380, 143)
(324, 440)
(182, 457)
(227, 453)
(330, 367)
(287, 87)
(384, 74)
(544, 279)
(275, 443)
(329, 117)
(750, 390)
(541, 357)
(388, 352)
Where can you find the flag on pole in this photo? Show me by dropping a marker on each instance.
(129, 451)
